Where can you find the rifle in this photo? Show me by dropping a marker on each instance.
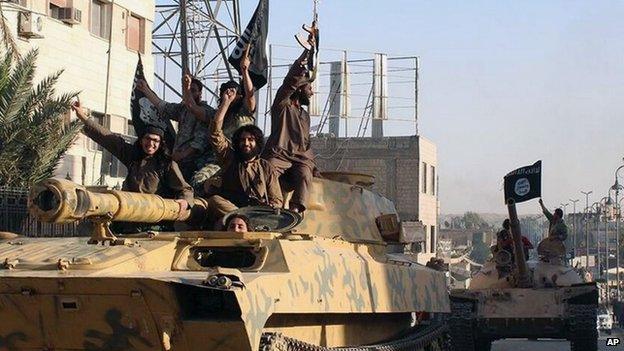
(302, 39)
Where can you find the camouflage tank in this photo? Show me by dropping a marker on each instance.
(535, 299)
(337, 277)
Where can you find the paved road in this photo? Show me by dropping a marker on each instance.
(548, 345)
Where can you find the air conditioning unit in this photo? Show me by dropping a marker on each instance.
(70, 15)
(30, 24)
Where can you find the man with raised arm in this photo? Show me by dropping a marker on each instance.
(553, 246)
(247, 179)
(191, 150)
(288, 147)
(150, 167)
(557, 228)
(239, 113)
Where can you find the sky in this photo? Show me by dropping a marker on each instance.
(502, 85)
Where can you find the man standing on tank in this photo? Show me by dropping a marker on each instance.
(288, 147)
(191, 150)
(150, 167)
(557, 229)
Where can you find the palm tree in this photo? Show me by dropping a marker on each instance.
(34, 134)
(6, 37)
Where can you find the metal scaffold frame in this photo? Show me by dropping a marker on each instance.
(193, 36)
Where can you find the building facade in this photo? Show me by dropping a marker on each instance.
(96, 43)
(405, 170)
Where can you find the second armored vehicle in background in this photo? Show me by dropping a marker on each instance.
(543, 299)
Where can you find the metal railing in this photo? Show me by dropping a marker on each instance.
(14, 217)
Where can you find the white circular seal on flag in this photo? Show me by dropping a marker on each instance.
(522, 187)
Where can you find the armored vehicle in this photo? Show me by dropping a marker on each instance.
(338, 276)
(512, 298)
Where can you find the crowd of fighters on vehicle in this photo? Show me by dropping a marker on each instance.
(220, 154)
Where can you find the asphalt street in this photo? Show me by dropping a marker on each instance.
(551, 345)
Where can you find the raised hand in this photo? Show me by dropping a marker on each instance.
(142, 86)
(186, 82)
(228, 96)
(76, 107)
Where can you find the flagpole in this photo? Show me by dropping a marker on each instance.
(183, 38)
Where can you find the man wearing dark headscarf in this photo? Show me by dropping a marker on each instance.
(150, 168)
(240, 112)
(247, 179)
(288, 147)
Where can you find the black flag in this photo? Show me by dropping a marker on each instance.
(145, 114)
(524, 183)
(256, 35)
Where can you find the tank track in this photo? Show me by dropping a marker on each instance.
(432, 337)
(461, 327)
(583, 333)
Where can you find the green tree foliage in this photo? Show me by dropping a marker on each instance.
(473, 221)
(34, 135)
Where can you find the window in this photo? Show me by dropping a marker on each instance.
(433, 180)
(432, 238)
(101, 14)
(136, 33)
(424, 177)
(55, 6)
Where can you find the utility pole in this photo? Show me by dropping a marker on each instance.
(586, 212)
(574, 224)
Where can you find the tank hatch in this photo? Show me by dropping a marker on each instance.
(267, 219)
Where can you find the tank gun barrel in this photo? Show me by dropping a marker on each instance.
(522, 272)
(62, 201)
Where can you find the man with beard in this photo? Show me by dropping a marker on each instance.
(247, 179)
(239, 113)
(288, 147)
(150, 168)
(191, 149)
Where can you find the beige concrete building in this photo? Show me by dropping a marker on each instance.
(96, 43)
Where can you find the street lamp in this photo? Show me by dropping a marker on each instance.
(586, 193)
(608, 209)
(574, 224)
(596, 211)
(618, 215)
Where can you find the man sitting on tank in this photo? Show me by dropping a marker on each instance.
(238, 223)
(191, 150)
(247, 179)
(150, 167)
(504, 240)
(288, 147)
(553, 245)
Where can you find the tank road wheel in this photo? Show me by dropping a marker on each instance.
(428, 338)
(461, 327)
(583, 333)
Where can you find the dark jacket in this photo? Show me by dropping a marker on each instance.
(146, 174)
